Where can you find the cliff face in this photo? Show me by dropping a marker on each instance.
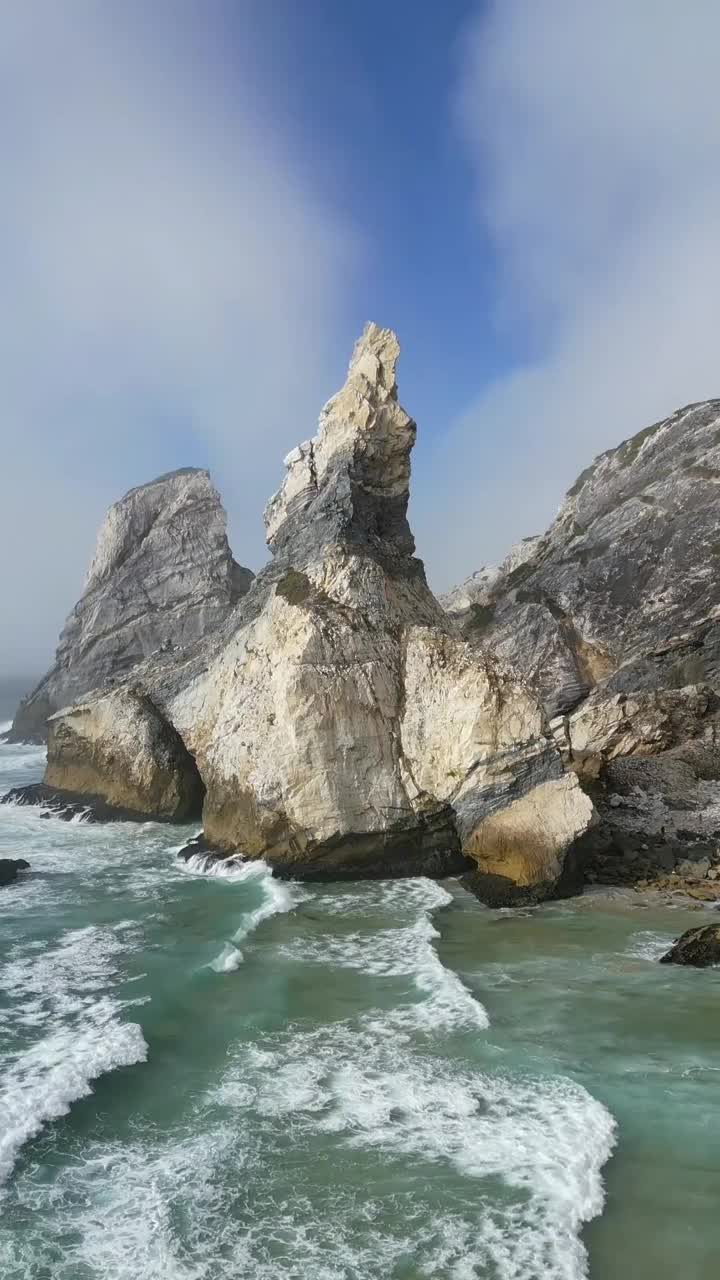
(162, 577)
(625, 577)
(339, 722)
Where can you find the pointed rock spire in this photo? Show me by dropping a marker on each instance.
(352, 480)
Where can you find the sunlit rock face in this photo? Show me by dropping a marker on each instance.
(162, 578)
(625, 582)
(340, 723)
(120, 748)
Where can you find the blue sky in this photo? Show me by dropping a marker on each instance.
(204, 201)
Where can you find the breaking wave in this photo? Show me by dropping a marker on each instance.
(61, 1030)
(277, 898)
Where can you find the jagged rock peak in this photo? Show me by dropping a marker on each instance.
(162, 577)
(352, 479)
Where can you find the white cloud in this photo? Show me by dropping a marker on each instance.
(170, 283)
(595, 133)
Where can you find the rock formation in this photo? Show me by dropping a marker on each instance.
(625, 577)
(162, 577)
(118, 746)
(9, 868)
(340, 724)
(614, 617)
(698, 947)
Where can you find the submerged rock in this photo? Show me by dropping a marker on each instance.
(340, 723)
(162, 578)
(699, 947)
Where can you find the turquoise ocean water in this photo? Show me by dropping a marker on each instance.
(223, 1077)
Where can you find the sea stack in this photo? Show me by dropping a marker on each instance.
(339, 723)
(162, 577)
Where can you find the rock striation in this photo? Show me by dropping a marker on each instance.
(162, 577)
(340, 723)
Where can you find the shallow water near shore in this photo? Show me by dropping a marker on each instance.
(207, 1074)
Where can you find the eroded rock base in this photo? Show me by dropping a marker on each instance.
(431, 849)
(72, 806)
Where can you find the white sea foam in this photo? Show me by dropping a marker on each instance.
(648, 945)
(545, 1140)
(231, 868)
(403, 951)
(374, 1086)
(529, 1153)
(373, 1102)
(60, 1000)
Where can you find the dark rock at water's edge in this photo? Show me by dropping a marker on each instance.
(698, 947)
(162, 578)
(433, 851)
(69, 805)
(9, 868)
(198, 847)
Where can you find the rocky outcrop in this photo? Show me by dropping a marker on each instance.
(340, 723)
(9, 868)
(71, 806)
(625, 577)
(651, 763)
(608, 725)
(162, 578)
(698, 947)
(118, 747)
(613, 616)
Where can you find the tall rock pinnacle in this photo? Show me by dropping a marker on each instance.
(352, 480)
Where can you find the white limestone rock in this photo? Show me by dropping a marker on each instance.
(339, 722)
(119, 748)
